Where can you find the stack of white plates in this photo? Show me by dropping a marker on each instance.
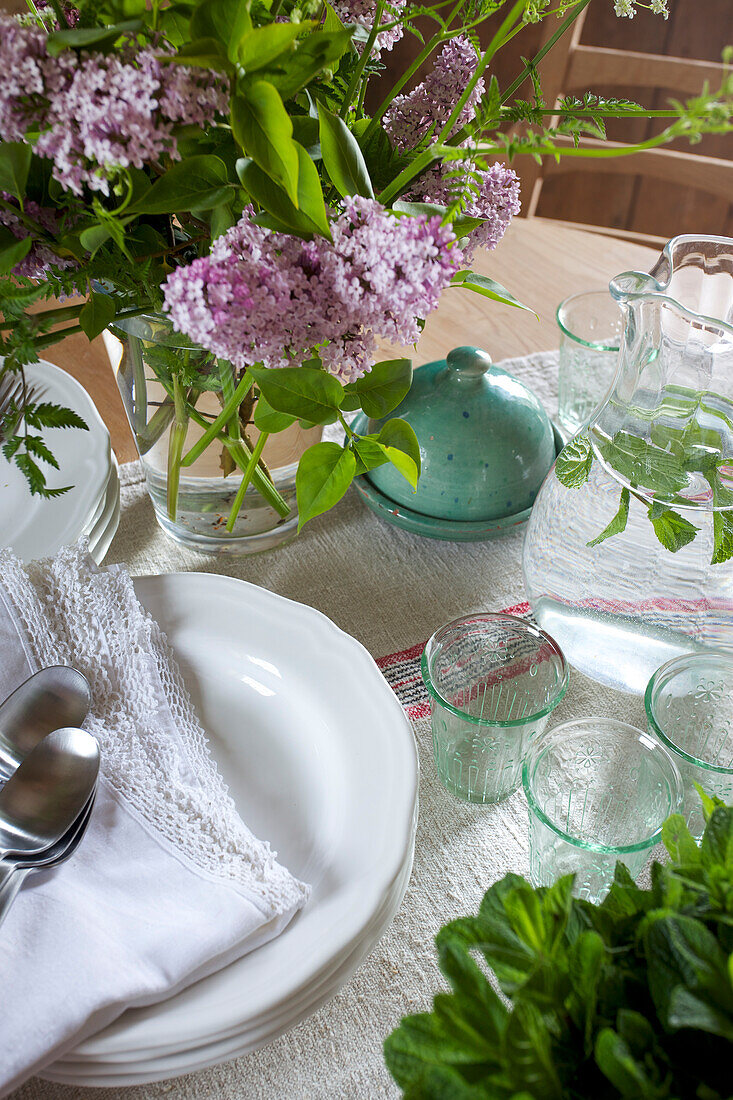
(321, 761)
(34, 527)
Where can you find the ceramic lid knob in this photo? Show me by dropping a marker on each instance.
(486, 442)
(470, 361)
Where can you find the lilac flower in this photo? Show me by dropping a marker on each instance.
(97, 113)
(431, 103)
(23, 84)
(119, 113)
(265, 297)
(363, 12)
(493, 195)
(41, 256)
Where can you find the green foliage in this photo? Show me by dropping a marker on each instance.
(630, 998)
(574, 462)
(618, 523)
(299, 136)
(324, 474)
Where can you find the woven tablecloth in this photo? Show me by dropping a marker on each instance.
(391, 590)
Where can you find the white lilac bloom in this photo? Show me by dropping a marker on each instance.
(266, 297)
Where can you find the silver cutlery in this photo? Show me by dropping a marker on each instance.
(53, 698)
(46, 793)
(13, 872)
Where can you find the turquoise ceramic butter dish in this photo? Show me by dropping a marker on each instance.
(486, 445)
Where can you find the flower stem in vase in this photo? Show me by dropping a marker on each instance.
(176, 443)
(252, 465)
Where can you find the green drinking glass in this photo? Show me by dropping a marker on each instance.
(492, 681)
(591, 331)
(598, 791)
(689, 707)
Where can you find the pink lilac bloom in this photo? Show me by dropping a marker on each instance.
(363, 12)
(494, 197)
(41, 256)
(266, 297)
(119, 113)
(97, 114)
(431, 103)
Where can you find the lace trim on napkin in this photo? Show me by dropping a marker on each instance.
(154, 751)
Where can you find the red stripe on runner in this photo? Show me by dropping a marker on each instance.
(416, 650)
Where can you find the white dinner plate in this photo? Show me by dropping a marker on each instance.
(121, 1072)
(34, 527)
(321, 762)
(101, 534)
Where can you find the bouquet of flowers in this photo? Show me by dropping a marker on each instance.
(220, 165)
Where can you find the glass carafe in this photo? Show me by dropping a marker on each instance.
(652, 475)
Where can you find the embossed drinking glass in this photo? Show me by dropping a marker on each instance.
(591, 327)
(492, 681)
(598, 791)
(689, 707)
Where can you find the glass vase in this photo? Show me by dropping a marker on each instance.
(173, 391)
(627, 551)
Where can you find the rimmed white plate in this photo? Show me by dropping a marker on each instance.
(103, 531)
(321, 761)
(120, 1072)
(33, 526)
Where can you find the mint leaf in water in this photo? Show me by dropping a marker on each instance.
(642, 463)
(672, 529)
(574, 462)
(617, 524)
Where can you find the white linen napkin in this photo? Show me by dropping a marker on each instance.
(168, 884)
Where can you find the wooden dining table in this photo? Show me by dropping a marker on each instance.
(539, 262)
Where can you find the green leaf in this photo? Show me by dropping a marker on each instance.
(618, 1065)
(263, 129)
(324, 474)
(316, 52)
(688, 976)
(644, 464)
(35, 445)
(716, 848)
(723, 537)
(203, 53)
(382, 388)
(309, 217)
(574, 462)
(617, 524)
(261, 46)
(402, 449)
(36, 479)
(679, 841)
(672, 529)
(199, 181)
(15, 164)
(97, 314)
(268, 420)
(481, 284)
(342, 157)
(12, 250)
(226, 21)
(81, 38)
(303, 392)
(44, 414)
(369, 453)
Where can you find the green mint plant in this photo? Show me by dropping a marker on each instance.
(661, 466)
(629, 998)
(220, 162)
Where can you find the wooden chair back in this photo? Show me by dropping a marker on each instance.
(570, 67)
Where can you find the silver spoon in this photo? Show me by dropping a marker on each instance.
(51, 699)
(13, 872)
(45, 795)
